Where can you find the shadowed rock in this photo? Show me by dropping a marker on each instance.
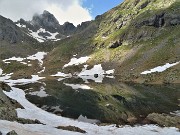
(12, 133)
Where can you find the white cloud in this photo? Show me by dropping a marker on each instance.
(64, 10)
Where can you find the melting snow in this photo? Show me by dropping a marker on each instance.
(30, 111)
(1, 71)
(19, 25)
(159, 68)
(42, 39)
(19, 59)
(38, 56)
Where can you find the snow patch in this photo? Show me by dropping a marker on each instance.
(86, 120)
(77, 61)
(21, 25)
(34, 78)
(38, 56)
(41, 39)
(5, 77)
(160, 68)
(1, 71)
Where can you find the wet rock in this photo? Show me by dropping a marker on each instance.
(12, 133)
(164, 120)
(0, 133)
(71, 128)
(96, 75)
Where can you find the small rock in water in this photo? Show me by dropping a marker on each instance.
(96, 75)
(12, 133)
(0, 133)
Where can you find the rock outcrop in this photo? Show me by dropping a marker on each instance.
(7, 109)
(165, 120)
(9, 31)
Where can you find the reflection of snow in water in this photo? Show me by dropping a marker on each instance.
(34, 78)
(40, 93)
(78, 86)
(160, 68)
(60, 74)
(96, 73)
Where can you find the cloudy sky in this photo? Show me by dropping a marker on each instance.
(75, 11)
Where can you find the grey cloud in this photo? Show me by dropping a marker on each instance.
(16, 9)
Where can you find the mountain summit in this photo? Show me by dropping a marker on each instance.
(45, 20)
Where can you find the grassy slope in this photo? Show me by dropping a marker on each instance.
(142, 48)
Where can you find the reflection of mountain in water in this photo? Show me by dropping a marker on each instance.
(108, 102)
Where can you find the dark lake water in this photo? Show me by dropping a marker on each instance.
(109, 101)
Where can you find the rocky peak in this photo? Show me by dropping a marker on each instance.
(46, 20)
(68, 27)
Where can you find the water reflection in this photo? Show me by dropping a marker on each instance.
(109, 101)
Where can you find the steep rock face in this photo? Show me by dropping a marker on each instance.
(46, 20)
(9, 31)
(7, 110)
(46, 27)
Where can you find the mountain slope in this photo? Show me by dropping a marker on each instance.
(45, 27)
(131, 38)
